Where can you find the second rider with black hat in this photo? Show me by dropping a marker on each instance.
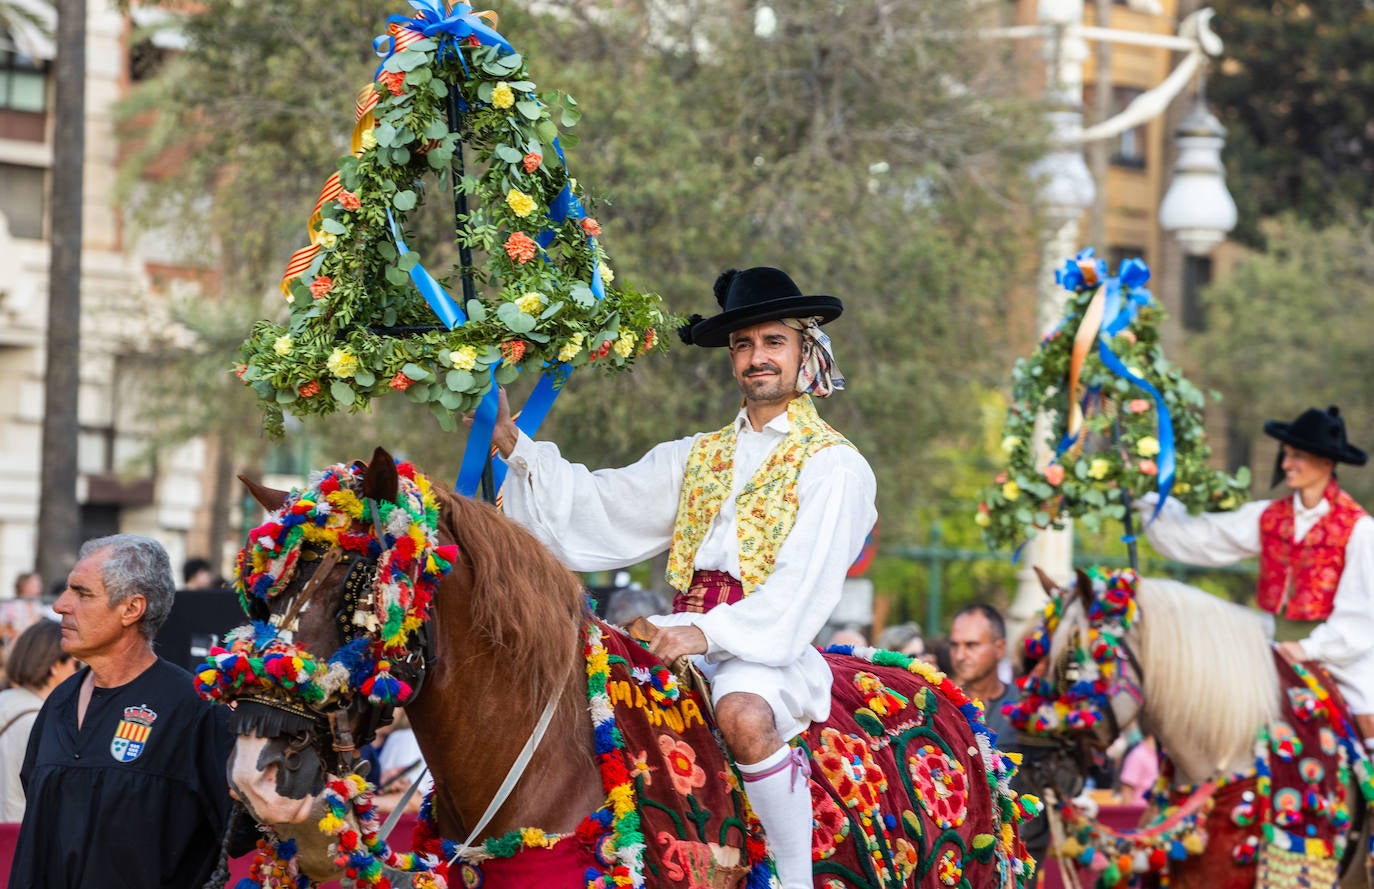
(1316, 552)
(760, 520)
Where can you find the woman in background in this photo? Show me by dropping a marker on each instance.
(37, 665)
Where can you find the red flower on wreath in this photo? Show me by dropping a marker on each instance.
(395, 82)
(682, 764)
(941, 785)
(349, 201)
(591, 227)
(512, 351)
(320, 286)
(310, 389)
(848, 763)
(401, 382)
(532, 161)
(521, 248)
(240, 370)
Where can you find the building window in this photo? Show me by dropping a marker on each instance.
(1197, 274)
(22, 199)
(23, 81)
(1129, 147)
(146, 59)
(1117, 254)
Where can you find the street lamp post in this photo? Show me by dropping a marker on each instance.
(1197, 206)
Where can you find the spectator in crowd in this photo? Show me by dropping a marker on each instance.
(402, 764)
(851, 635)
(937, 655)
(1139, 770)
(199, 575)
(37, 664)
(977, 648)
(22, 611)
(977, 644)
(904, 638)
(125, 768)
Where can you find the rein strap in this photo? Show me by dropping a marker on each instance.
(517, 769)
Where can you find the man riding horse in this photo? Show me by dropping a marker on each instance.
(760, 519)
(1316, 551)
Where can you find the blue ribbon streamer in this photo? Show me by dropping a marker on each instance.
(434, 293)
(451, 27)
(479, 443)
(1134, 274)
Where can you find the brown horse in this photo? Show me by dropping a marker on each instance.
(1245, 735)
(507, 635)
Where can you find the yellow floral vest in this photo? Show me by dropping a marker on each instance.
(766, 507)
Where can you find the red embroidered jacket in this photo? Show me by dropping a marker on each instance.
(1298, 579)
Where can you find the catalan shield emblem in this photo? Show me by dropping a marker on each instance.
(131, 735)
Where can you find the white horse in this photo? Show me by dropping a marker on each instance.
(1195, 671)
(1204, 669)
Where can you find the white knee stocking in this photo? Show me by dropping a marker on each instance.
(779, 794)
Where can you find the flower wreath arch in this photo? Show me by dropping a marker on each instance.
(1122, 420)
(362, 308)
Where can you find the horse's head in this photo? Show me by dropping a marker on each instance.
(337, 585)
(1083, 682)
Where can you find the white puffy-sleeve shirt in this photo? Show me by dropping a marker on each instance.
(1221, 538)
(596, 521)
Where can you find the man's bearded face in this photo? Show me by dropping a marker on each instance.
(766, 360)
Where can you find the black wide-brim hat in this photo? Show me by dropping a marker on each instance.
(1316, 432)
(751, 297)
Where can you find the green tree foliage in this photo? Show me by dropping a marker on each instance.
(1288, 330)
(1294, 91)
(869, 158)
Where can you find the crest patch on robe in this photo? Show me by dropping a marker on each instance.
(131, 735)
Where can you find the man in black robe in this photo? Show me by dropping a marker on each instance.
(125, 769)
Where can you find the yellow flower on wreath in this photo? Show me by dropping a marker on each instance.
(520, 203)
(368, 140)
(502, 96)
(572, 347)
(342, 363)
(329, 240)
(1099, 468)
(1147, 446)
(625, 344)
(282, 345)
(530, 303)
(464, 358)
(1010, 489)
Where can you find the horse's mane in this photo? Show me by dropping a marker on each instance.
(526, 604)
(1209, 670)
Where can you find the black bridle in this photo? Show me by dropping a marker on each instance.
(348, 721)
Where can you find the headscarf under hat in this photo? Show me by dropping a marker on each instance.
(818, 375)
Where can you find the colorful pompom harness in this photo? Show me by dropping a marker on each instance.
(1097, 663)
(395, 564)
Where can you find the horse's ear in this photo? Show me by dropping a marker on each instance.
(270, 498)
(1085, 588)
(1049, 586)
(380, 483)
